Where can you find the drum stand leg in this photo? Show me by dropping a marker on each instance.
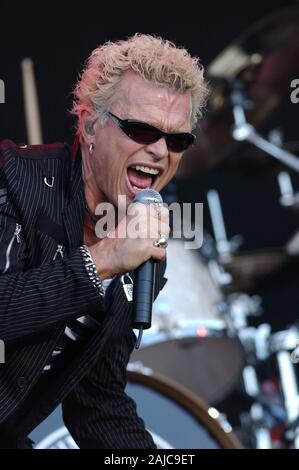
(256, 421)
(290, 392)
(257, 426)
(261, 431)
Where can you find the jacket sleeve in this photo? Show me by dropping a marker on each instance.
(45, 297)
(98, 413)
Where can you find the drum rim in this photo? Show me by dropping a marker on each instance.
(185, 398)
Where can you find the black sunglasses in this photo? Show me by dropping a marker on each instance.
(146, 134)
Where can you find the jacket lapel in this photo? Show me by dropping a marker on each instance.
(73, 213)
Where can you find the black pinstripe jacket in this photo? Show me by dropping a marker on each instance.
(41, 207)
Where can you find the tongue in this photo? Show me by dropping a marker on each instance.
(139, 179)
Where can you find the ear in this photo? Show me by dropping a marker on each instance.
(88, 126)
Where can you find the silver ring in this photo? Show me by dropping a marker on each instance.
(161, 243)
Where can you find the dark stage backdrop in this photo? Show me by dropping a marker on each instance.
(59, 36)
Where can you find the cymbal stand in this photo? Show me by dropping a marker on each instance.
(288, 198)
(243, 131)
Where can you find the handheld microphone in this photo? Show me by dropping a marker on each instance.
(144, 277)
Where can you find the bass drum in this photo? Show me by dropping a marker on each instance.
(175, 417)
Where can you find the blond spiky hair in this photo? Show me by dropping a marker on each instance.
(156, 60)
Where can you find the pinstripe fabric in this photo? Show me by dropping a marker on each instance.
(79, 329)
(38, 296)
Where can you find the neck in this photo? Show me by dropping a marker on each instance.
(93, 196)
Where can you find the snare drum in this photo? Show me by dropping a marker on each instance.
(188, 340)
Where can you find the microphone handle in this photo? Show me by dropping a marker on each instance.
(144, 282)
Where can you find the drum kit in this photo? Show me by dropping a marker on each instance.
(204, 377)
(202, 336)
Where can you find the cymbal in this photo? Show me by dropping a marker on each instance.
(250, 161)
(256, 263)
(248, 268)
(264, 60)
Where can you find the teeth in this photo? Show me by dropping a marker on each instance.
(146, 169)
(139, 189)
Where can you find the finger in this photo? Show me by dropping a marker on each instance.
(158, 254)
(159, 211)
(156, 229)
(164, 215)
(163, 229)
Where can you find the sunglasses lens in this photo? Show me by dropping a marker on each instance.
(146, 134)
(142, 133)
(180, 142)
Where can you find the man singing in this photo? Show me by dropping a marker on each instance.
(64, 316)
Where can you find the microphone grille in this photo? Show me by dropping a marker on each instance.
(148, 196)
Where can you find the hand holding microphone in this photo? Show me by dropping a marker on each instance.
(144, 275)
(121, 253)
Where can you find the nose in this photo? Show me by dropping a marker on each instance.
(158, 149)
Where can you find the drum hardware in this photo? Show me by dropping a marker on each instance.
(221, 277)
(233, 271)
(254, 424)
(254, 341)
(276, 405)
(222, 244)
(208, 250)
(250, 79)
(241, 306)
(292, 435)
(243, 131)
(264, 60)
(282, 344)
(267, 412)
(275, 136)
(259, 344)
(221, 418)
(288, 196)
(225, 248)
(257, 424)
(258, 428)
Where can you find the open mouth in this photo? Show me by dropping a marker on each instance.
(141, 177)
